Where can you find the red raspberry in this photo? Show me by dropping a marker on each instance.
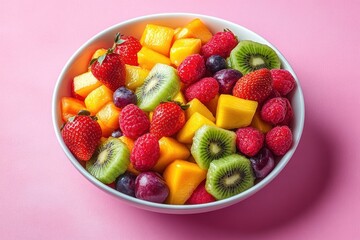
(289, 115)
(200, 195)
(145, 153)
(274, 110)
(283, 81)
(279, 140)
(204, 90)
(133, 121)
(220, 44)
(192, 69)
(249, 140)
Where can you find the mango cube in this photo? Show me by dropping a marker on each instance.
(84, 83)
(98, 98)
(170, 150)
(212, 104)
(70, 107)
(182, 178)
(105, 130)
(196, 106)
(98, 53)
(179, 97)
(260, 124)
(183, 48)
(186, 134)
(233, 112)
(195, 29)
(147, 58)
(109, 115)
(135, 76)
(157, 38)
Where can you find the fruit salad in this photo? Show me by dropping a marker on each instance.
(180, 115)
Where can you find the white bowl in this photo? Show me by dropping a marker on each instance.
(78, 63)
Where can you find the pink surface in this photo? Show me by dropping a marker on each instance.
(316, 196)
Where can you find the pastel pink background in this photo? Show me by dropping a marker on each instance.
(317, 196)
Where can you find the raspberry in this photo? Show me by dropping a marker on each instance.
(289, 115)
(204, 90)
(145, 153)
(274, 110)
(192, 69)
(133, 121)
(249, 140)
(200, 195)
(220, 44)
(279, 140)
(283, 81)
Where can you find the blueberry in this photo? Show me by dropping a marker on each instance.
(215, 63)
(125, 183)
(123, 96)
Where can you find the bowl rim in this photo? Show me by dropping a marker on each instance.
(160, 207)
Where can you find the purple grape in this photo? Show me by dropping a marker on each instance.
(263, 163)
(116, 133)
(123, 96)
(227, 79)
(150, 186)
(215, 63)
(125, 183)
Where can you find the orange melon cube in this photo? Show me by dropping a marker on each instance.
(195, 29)
(183, 48)
(70, 107)
(84, 83)
(158, 38)
(97, 98)
(147, 58)
(109, 115)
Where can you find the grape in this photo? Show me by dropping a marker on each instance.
(123, 96)
(126, 183)
(227, 79)
(150, 186)
(263, 163)
(215, 63)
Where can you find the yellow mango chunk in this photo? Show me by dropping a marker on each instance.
(147, 58)
(212, 104)
(196, 106)
(233, 112)
(130, 144)
(170, 150)
(98, 53)
(182, 178)
(157, 38)
(135, 76)
(195, 29)
(97, 98)
(186, 134)
(179, 97)
(70, 107)
(109, 115)
(260, 124)
(105, 130)
(85, 83)
(183, 48)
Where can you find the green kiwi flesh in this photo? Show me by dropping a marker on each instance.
(249, 56)
(109, 161)
(210, 143)
(229, 176)
(161, 84)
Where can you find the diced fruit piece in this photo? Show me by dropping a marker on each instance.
(110, 161)
(125, 183)
(227, 79)
(170, 150)
(220, 44)
(97, 98)
(135, 76)
(70, 107)
(191, 69)
(215, 63)
(279, 140)
(180, 98)
(229, 176)
(195, 29)
(148, 58)
(127, 47)
(160, 85)
(233, 112)
(183, 48)
(109, 115)
(212, 105)
(99, 52)
(150, 186)
(196, 106)
(211, 143)
(157, 38)
(186, 134)
(263, 163)
(133, 121)
(123, 96)
(249, 141)
(200, 195)
(105, 130)
(145, 153)
(130, 144)
(204, 90)
(182, 178)
(85, 83)
(260, 124)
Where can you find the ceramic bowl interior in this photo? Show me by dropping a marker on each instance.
(78, 63)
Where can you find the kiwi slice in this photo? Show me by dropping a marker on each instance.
(249, 56)
(110, 160)
(210, 143)
(229, 176)
(161, 84)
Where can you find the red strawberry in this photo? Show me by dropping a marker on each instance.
(200, 195)
(145, 153)
(220, 44)
(128, 47)
(133, 121)
(82, 134)
(192, 69)
(255, 85)
(168, 118)
(204, 90)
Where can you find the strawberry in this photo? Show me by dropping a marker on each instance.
(220, 44)
(200, 195)
(192, 69)
(168, 118)
(255, 85)
(204, 90)
(82, 134)
(127, 47)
